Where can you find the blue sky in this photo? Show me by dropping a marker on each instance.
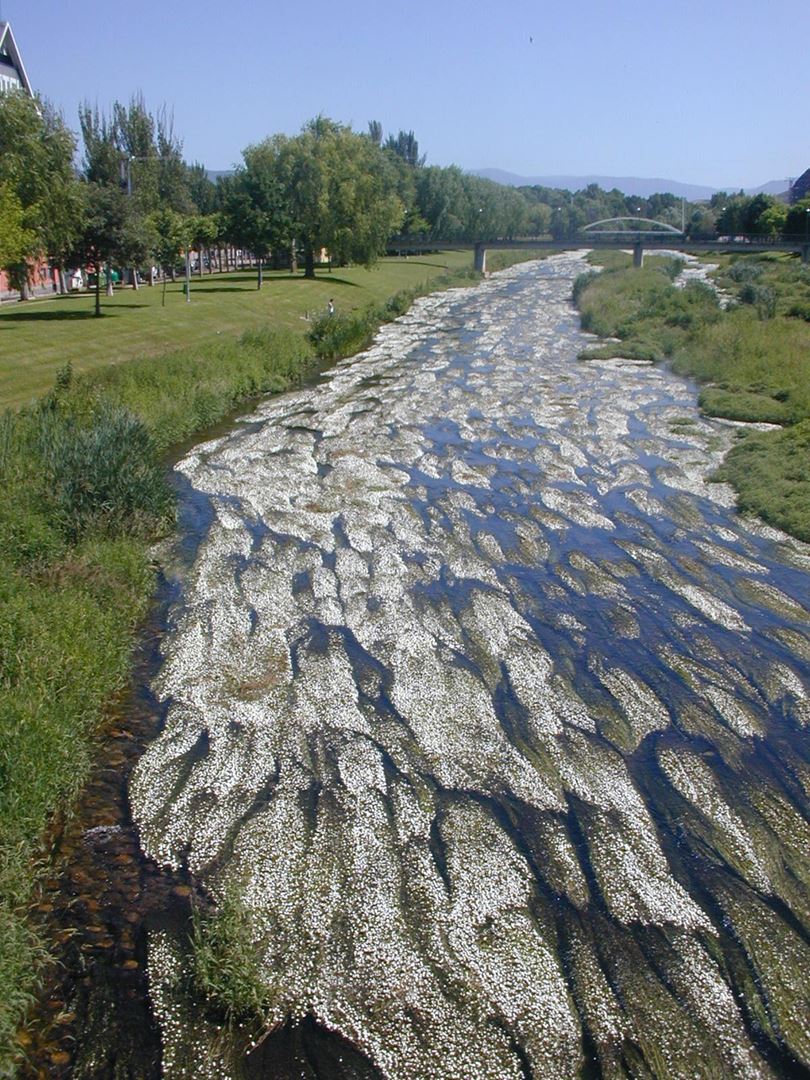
(709, 92)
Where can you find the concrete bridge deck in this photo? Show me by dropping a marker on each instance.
(637, 241)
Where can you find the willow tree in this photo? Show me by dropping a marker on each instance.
(340, 192)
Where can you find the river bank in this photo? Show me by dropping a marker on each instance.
(750, 358)
(85, 501)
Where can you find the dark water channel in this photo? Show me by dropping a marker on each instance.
(492, 714)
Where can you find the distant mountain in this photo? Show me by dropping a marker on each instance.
(630, 185)
(773, 187)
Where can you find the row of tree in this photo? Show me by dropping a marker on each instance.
(135, 202)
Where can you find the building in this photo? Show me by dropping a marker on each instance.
(800, 189)
(13, 77)
(12, 69)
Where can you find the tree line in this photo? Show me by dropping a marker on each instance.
(133, 201)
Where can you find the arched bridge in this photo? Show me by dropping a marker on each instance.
(598, 228)
(640, 234)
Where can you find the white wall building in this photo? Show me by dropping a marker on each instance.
(12, 69)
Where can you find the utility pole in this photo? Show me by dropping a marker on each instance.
(126, 177)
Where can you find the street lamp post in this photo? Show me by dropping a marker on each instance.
(126, 176)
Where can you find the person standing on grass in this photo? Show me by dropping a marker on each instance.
(330, 307)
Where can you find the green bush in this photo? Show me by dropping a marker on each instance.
(800, 311)
(106, 473)
(760, 297)
(745, 271)
(334, 336)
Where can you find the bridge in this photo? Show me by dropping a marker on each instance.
(642, 234)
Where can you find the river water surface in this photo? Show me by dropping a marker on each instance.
(492, 713)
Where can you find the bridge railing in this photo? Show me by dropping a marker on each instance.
(592, 239)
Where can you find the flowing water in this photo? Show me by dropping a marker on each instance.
(492, 713)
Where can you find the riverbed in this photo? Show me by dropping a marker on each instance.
(490, 712)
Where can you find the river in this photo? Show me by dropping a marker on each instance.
(491, 714)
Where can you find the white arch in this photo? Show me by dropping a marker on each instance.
(662, 226)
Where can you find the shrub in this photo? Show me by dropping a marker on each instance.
(106, 473)
(760, 297)
(745, 271)
(334, 336)
(800, 311)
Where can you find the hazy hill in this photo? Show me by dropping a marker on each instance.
(630, 185)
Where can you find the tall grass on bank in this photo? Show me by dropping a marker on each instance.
(754, 365)
(188, 390)
(770, 470)
(781, 276)
(85, 492)
(505, 257)
(344, 334)
(80, 499)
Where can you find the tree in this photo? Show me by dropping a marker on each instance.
(773, 221)
(443, 201)
(375, 132)
(797, 223)
(256, 206)
(106, 234)
(755, 208)
(169, 236)
(406, 146)
(701, 224)
(201, 189)
(733, 216)
(15, 240)
(136, 151)
(538, 219)
(36, 168)
(340, 193)
(204, 230)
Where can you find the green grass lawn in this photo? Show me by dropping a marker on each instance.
(40, 336)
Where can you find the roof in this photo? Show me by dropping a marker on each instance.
(9, 45)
